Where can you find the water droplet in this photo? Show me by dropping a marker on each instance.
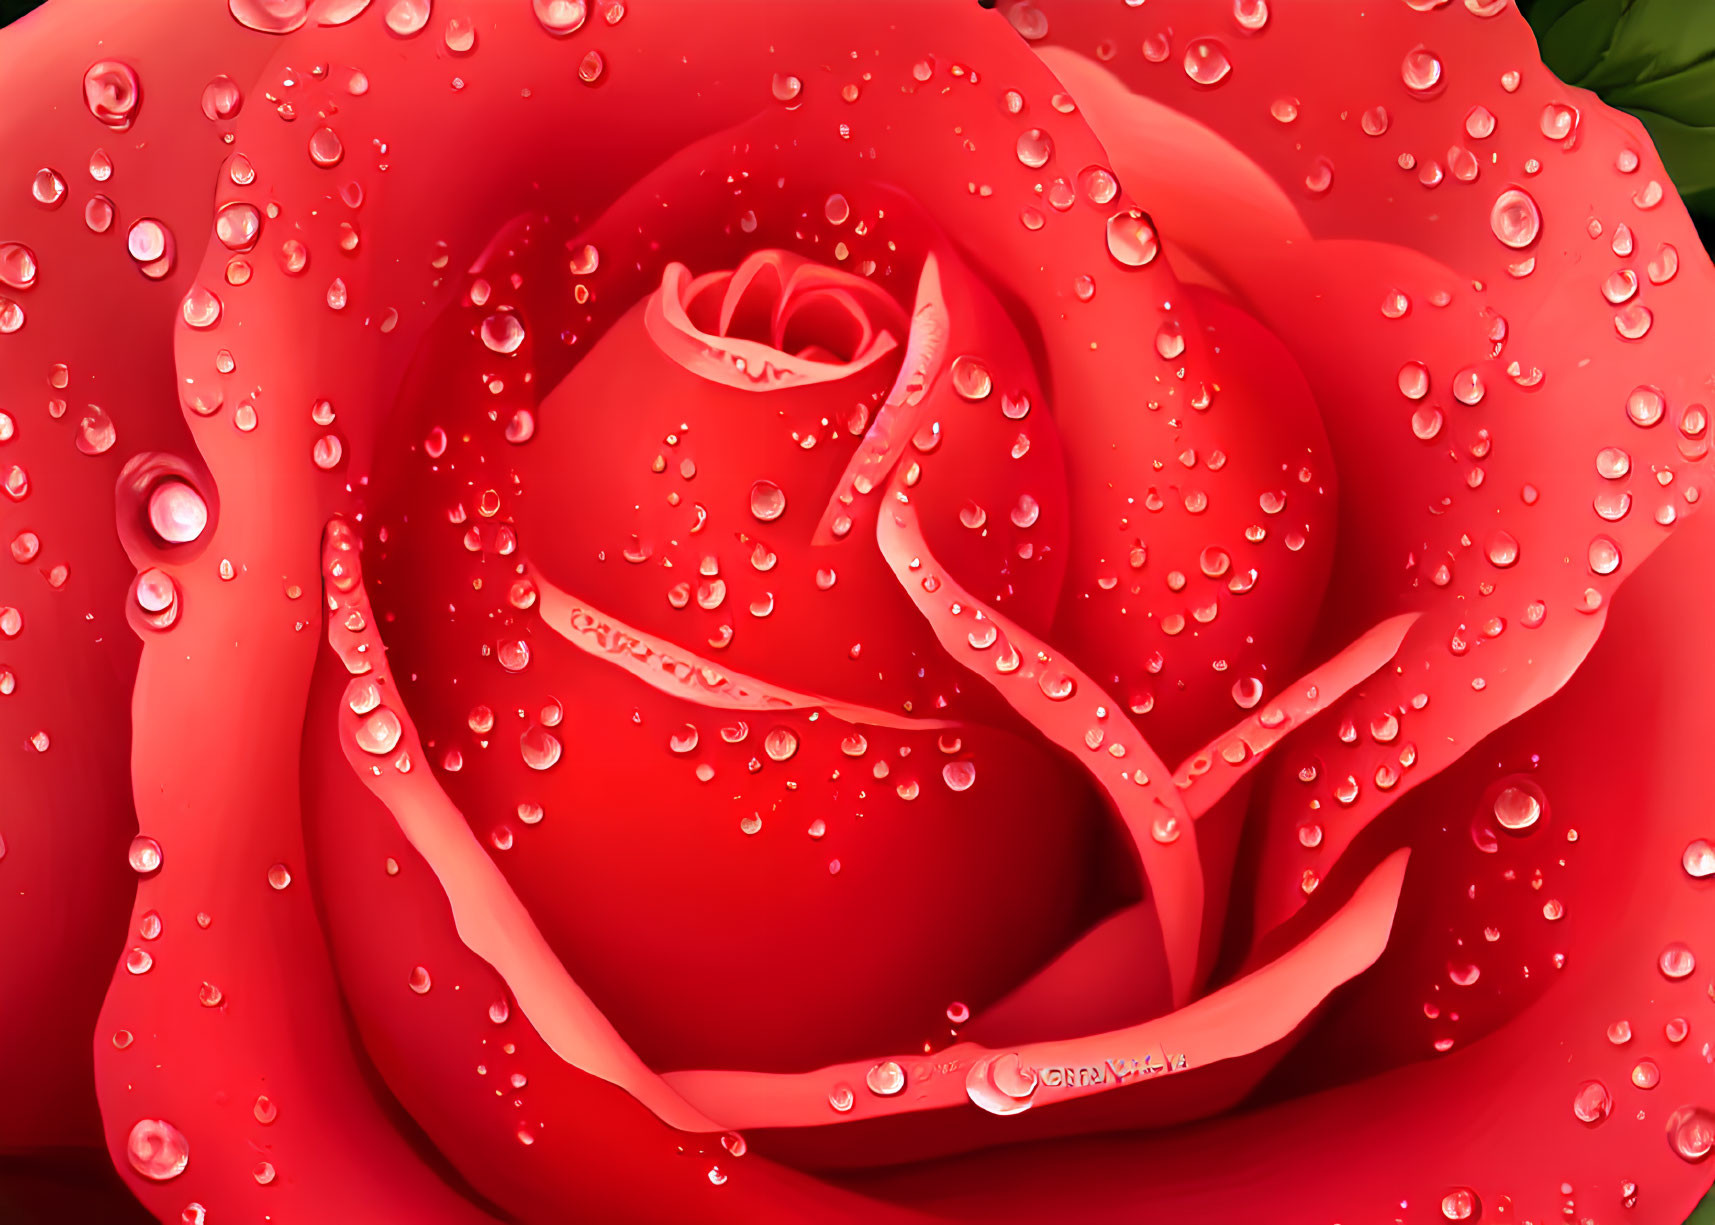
(237, 226)
(502, 332)
(1422, 73)
(379, 731)
(1250, 15)
(1206, 62)
(780, 743)
(1413, 380)
(590, 67)
(1514, 218)
(885, 1079)
(841, 1098)
(112, 93)
(1459, 1204)
(1592, 1102)
(1034, 148)
(221, 98)
(1645, 406)
(1691, 1132)
(1604, 555)
(959, 775)
(1098, 184)
(1503, 549)
(201, 308)
(1517, 808)
(406, 18)
(1677, 960)
(1132, 239)
(1000, 1084)
(326, 148)
(1698, 858)
(17, 265)
(539, 747)
(1646, 1074)
(1558, 121)
(270, 16)
(151, 245)
(419, 980)
(560, 17)
(157, 1150)
(971, 378)
(144, 855)
(767, 501)
(48, 188)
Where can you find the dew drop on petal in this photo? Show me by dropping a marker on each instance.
(959, 775)
(270, 16)
(221, 98)
(1677, 960)
(157, 1150)
(1034, 148)
(406, 18)
(144, 855)
(112, 92)
(1422, 72)
(48, 188)
(1132, 239)
(560, 17)
(1517, 808)
(1592, 1102)
(1515, 219)
(885, 1079)
(767, 501)
(1206, 62)
(1691, 1132)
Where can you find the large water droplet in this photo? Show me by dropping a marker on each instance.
(326, 148)
(150, 243)
(1422, 73)
(560, 17)
(1206, 62)
(144, 855)
(1677, 960)
(767, 501)
(221, 98)
(1592, 1102)
(17, 265)
(112, 93)
(885, 1079)
(1000, 1084)
(1691, 1132)
(1698, 858)
(378, 732)
(1515, 219)
(270, 16)
(406, 18)
(1034, 148)
(971, 379)
(1517, 808)
(157, 1150)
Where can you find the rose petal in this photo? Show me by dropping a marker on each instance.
(1511, 550)
(1494, 1116)
(93, 331)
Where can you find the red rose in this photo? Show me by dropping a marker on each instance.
(850, 612)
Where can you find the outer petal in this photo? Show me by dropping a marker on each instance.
(1501, 309)
(90, 329)
(1495, 1118)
